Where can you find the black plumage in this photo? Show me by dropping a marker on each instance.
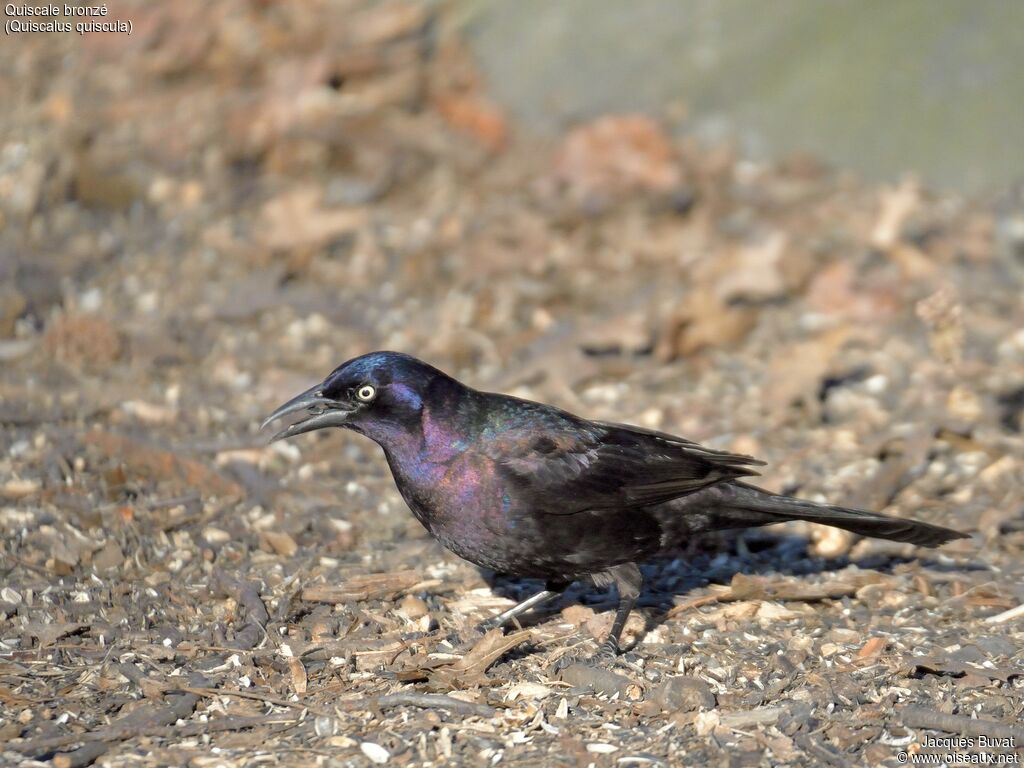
(530, 490)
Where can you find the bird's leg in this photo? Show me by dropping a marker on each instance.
(552, 590)
(503, 618)
(628, 580)
(516, 610)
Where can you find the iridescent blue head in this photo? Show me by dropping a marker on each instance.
(377, 394)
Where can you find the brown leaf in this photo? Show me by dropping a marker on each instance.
(11, 699)
(577, 615)
(470, 670)
(872, 647)
(473, 115)
(488, 650)
(298, 674)
(615, 155)
(458, 95)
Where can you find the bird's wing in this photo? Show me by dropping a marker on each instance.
(583, 465)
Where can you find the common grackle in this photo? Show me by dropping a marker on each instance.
(530, 490)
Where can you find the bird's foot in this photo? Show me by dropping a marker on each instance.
(606, 653)
(604, 656)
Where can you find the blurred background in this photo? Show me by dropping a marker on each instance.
(797, 234)
(880, 88)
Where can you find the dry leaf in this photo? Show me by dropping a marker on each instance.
(298, 673)
(469, 671)
(615, 155)
(577, 615)
(488, 650)
(872, 647)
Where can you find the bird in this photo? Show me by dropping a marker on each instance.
(530, 490)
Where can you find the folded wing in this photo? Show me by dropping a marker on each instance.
(581, 465)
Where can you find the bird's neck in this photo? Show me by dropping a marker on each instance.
(442, 430)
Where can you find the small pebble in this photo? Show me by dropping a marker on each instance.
(375, 752)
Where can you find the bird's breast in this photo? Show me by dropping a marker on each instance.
(461, 501)
(473, 511)
(462, 491)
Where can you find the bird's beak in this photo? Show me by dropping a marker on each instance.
(324, 412)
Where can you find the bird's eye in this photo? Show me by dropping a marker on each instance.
(366, 393)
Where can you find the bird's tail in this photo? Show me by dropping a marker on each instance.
(764, 508)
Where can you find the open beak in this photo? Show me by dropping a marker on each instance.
(324, 412)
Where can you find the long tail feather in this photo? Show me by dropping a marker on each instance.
(772, 508)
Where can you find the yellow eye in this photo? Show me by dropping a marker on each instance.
(366, 393)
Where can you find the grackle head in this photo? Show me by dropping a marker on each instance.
(366, 393)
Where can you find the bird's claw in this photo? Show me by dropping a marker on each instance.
(604, 656)
(607, 653)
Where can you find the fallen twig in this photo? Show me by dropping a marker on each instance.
(228, 723)
(139, 722)
(696, 602)
(761, 716)
(410, 699)
(433, 701)
(1010, 615)
(747, 588)
(213, 693)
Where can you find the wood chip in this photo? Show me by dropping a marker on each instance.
(298, 674)
(372, 586)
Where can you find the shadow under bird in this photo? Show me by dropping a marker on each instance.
(530, 490)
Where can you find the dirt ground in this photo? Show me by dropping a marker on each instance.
(203, 218)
